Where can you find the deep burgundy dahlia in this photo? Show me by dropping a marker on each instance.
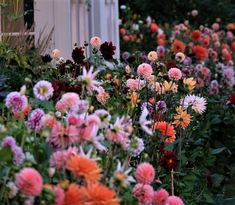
(231, 99)
(107, 49)
(78, 55)
(168, 161)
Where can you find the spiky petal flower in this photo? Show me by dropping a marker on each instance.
(88, 79)
(197, 103)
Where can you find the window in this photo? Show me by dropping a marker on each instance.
(16, 19)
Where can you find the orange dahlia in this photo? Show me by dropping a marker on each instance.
(74, 195)
(182, 119)
(81, 166)
(97, 194)
(167, 130)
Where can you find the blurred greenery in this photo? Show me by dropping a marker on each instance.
(175, 11)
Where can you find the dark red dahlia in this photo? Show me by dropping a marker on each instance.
(107, 49)
(170, 64)
(168, 160)
(231, 99)
(58, 87)
(78, 55)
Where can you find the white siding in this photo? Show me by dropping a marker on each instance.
(73, 23)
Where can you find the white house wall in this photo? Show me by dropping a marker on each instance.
(73, 23)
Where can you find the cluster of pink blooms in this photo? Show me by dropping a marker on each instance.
(16, 101)
(144, 192)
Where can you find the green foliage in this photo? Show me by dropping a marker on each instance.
(176, 11)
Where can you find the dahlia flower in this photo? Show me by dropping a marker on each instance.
(43, 90)
(29, 182)
(88, 79)
(16, 101)
(197, 103)
(160, 197)
(175, 74)
(145, 173)
(34, 120)
(144, 193)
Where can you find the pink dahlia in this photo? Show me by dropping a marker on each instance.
(174, 200)
(160, 197)
(43, 90)
(35, 118)
(175, 74)
(95, 41)
(58, 159)
(144, 193)
(59, 194)
(145, 173)
(63, 137)
(132, 84)
(144, 70)
(29, 182)
(16, 101)
(69, 101)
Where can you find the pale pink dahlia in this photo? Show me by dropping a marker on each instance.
(43, 90)
(34, 120)
(29, 182)
(175, 74)
(16, 101)
(144, 70)
(95, 41)
(144, 193)
(145, 173)
(68, 102)
(197, 103)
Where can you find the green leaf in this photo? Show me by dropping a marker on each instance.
(5, 154)
(208, 198)
(217, 179)
(218, 150)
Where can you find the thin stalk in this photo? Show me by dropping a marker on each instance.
(172, 183)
